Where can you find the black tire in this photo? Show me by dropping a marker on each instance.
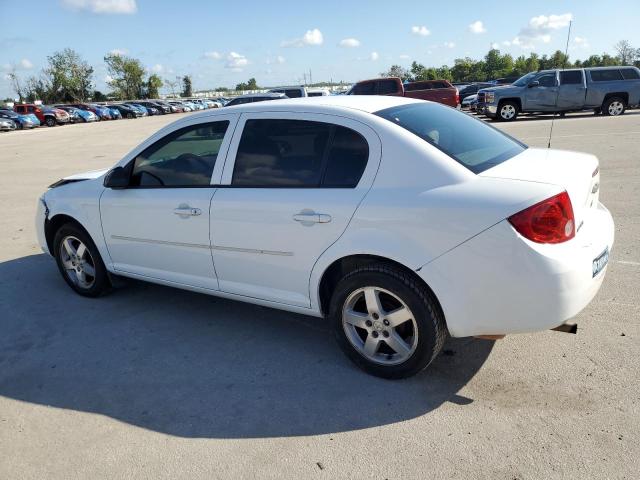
(130, 115)
(507, 106)
(50, 122)
(429, 319)
(597, 111)
(613, 107)
(101, 283)
(19, 126)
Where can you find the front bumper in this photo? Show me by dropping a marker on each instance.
(498, 282)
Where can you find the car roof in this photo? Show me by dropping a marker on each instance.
(364, 103)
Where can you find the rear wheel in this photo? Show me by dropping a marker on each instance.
(386, 322)
(130, 115)
(507, 111)
(614, 106)
(79, 261)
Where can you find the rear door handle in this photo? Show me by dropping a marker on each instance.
(312, 217)
(187, 211)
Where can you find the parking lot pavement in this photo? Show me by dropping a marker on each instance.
(152, 382)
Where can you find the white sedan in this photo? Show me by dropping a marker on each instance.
(401, 220)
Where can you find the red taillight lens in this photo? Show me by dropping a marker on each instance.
(550, 221)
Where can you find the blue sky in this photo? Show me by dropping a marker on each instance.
(223, 43)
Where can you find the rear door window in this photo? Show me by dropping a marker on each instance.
(299, 153)
(571, 77)
(607, 75)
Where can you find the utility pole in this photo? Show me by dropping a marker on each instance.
(310, 78)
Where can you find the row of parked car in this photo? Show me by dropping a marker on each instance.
(31, 115)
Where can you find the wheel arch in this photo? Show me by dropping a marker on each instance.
(623, 95)
(53, 224)
(515, 100)
(341, 266)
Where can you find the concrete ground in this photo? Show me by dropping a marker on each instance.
(151, 382)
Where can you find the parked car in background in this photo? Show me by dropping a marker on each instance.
(440, 91)
(606, 90)
(401, 221)
(155, 107)
(78, 115)
(471, 89)
(47, 115)
(470, 102)
(255, 97)
(126, 111)
(115, 113)
(144, 110)
(21, 121)
(291, 92)
(318, 92)
(179, 106)
(7, 124)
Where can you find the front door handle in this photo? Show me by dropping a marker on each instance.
(187, 211)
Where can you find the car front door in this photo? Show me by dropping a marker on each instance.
(158, 227)
(290, 186)
(573, 90)
(542, 97)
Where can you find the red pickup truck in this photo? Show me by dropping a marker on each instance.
(440, 91)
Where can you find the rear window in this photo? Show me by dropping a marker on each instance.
(387, 86)
(411, 87)
(366, 88)
(293, 93)
(630, 73)
(605, 75)
(469, 141)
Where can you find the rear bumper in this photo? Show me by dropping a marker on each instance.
(501, 283)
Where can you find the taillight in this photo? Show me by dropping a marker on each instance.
(550, 221)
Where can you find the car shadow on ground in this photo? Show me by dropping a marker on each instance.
(193, 365)
(531, 117)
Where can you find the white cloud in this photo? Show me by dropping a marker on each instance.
(349, 43)
(539, 29)
(279, 60)
(213, 55)
(108, 79)
(119, 51)
(477, 27)
(581, 42)
(495, 46)
(449, 44)
(127, 7)
(236, 62)
(26, 64)
(310, 38)
(404, 56)
(157, 68)
(506, 43)
(374, 56)
(420, 30)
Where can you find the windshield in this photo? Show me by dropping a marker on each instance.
(524, 80)
(469, 141)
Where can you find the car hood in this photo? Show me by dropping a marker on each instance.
(90, 175)
(501, 89)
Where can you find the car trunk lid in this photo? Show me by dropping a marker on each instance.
(577, 173)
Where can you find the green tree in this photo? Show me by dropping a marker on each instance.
(626, 53)
(98, 96)
(69, 76)
(187, 87)
(397, 71)
(533, 63)
(492, 64)
(249, 85)
(127, 76)
(154, 84)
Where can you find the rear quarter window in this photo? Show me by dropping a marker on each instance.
(470, 142)
(630, 73)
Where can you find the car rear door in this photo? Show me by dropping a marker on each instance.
(290, 186)
(573, 90)
(158, 227)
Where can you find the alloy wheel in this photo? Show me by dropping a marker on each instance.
(380, 326)
(77, 261)
(507, 111)
(616, 108)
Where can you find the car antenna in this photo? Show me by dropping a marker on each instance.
(564, 65)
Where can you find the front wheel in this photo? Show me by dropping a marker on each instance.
(386, 322)
(507, 111)
(50, 122)
(79, 261)
(614, 106)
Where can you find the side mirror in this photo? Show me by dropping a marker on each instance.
(535, 83)
(117, 178)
